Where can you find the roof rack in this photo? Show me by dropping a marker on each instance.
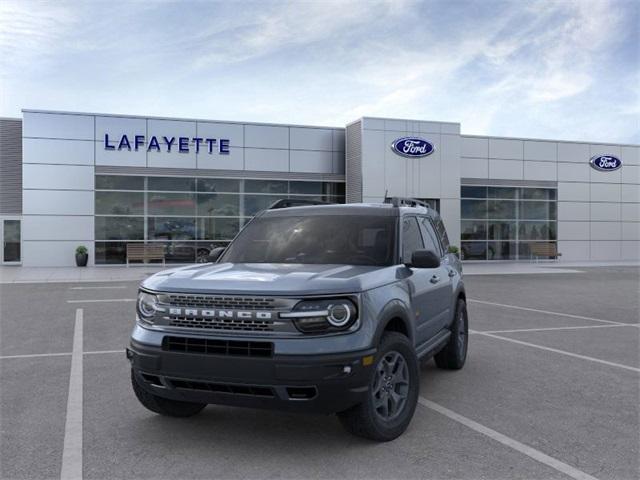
(404, 201)
(293, 202)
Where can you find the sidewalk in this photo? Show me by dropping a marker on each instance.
(10, 274)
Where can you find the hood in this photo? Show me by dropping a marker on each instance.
(270, 279)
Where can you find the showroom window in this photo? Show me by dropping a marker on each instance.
(503, 223)
(189, 216)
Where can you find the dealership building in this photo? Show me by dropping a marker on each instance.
(111, 181)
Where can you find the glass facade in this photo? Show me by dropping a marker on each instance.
(503, 223)
(189, 216)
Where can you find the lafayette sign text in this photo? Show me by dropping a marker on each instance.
(167, 144)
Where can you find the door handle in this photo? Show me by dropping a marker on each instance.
(435, 279)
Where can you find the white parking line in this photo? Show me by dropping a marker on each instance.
(548, 329)
(101, 287)
(555, 350)
(508, 442)
(105, 300)
(559, 314)
(72, 447)
(60, 354)
(35, 355)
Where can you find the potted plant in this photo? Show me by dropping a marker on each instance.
(82, 256)
(455, 250)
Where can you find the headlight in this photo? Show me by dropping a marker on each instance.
(147, 306)
(323, 316)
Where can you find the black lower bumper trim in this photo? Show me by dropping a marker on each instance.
(312, 384)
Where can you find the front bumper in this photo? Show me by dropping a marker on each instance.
(301, 383)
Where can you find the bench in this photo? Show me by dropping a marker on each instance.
(544, 250)
(144, 252)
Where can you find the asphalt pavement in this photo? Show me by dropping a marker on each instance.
(550, 390)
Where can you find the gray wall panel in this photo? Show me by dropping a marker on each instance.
(10, 166)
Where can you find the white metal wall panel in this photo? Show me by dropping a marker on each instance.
(574, 172)
(543, 151)
(450, 166)
(51, 125)
(630, 155)
(57, 202)
(474, 167)
(266, 159)
(234, 160)
(475, 147)
(603, 192)
(630, 212)
(265, 136)
(605, 250)
(58, 177)
(311, 139)
(506, 149)
(311, 161)
(605, 230)
(573, 250)
(573, 231)
(540, 171)
(506, 169)
(604, 212)
(52, 253)
(630, 193)
(45, 227)
(574, 211)
(573, 152)
(573, 192)
(59, 152)
(629, 250)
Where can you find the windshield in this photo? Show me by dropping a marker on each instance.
(339, 239)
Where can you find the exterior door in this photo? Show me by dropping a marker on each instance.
(11, 241)
(425, 284)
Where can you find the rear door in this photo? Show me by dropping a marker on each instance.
(423, 286)
(444, 283)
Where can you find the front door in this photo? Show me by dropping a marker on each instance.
(11, 241)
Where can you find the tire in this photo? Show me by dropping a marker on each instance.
(367, 419)
(454, 354)
(202, 256)
(164, 406)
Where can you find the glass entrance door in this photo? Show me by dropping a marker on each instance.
(11, 241)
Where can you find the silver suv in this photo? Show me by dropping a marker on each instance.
(321, 308)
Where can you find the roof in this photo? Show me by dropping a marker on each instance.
(374, 209)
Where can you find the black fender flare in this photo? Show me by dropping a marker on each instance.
(394, 309)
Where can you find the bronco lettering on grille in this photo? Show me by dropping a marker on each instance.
(208, 313)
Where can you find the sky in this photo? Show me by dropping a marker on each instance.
(537, 69)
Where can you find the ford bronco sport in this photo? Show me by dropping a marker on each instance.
(321, 308)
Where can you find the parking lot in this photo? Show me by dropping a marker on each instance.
(550, 390)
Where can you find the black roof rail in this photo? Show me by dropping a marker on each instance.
(294, 202)
(405, 201)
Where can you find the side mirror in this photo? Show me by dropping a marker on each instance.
(424, 259)
(214, 254)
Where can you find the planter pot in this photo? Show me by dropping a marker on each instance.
(82, 259)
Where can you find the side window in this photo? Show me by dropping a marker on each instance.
(411, 238)
(430, 239)
(442, 233)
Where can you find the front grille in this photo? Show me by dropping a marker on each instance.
(218, 347)
(222, 324)
(222, 302)
(253, 390)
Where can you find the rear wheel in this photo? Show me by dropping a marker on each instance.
(454, 354)
(164, 406)
(392, 395)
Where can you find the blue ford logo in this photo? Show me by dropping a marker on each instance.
(412, 147)
(605, 163)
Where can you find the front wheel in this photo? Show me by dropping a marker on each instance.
(454, 354)
(392, 395)
(164, 406)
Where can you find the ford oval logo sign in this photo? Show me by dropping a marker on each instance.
(412, 147)
(605, 163)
